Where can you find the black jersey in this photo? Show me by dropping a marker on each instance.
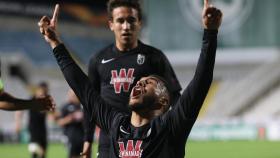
(166, 135)
(37, 127)
(114, 73)
(75, 128)
(74, 131)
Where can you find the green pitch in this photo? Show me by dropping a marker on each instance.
(233, 149)
(20, 151)
(212, 149)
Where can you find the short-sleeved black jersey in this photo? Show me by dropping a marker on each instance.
(74, 128)
(165, 136)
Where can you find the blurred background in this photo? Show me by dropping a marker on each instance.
(241, 115)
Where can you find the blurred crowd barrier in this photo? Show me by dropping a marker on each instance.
(236, 129)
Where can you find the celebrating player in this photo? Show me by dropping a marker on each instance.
(37, 125)
(116, 68)
(151, 130)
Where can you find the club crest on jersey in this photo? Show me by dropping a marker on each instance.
(123, 79)
(140, 59)
(130, 151)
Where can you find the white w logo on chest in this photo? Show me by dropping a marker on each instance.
(123, 79)
(130, 151)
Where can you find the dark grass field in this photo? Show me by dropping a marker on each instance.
(209, 149)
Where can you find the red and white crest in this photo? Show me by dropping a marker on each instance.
(123, 79)
(130, 151)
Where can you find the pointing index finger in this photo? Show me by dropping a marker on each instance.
(206, 3)
(55, 13)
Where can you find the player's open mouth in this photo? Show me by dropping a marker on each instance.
(136, 91)
(126, 34)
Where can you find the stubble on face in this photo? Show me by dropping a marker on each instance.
(149, 99)
(147, 103)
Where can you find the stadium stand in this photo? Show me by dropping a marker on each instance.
(246, 80)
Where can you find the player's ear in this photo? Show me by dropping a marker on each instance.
(110, 23)
(164, 101)
(140, 23)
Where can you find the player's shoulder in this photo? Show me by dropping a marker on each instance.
(102, 53)
(150, 49)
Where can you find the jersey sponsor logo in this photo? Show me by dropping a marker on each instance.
(130, 151)
(122, 80)
(140, 59)
(107, 61)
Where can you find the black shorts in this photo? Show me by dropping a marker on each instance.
(41, 140)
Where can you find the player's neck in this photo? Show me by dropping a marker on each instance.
(126, 47)
(138, 120)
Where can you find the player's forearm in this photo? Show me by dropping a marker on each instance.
(7, 106)
(74, 76)
(81, 85)
(10, 103)
(64, 121)
(88, 136)
(89, 127)
(204, 71)
(194, 95)
(55, 43)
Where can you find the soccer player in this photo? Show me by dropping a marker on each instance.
(37, 126)
(151, 130)
(71, 119)
(115, 69)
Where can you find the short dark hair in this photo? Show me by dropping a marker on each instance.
(43, 84)
(166, 84)
(112, 4)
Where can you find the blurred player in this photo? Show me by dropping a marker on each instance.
(148, 131)
(37, 126)
(71, 119)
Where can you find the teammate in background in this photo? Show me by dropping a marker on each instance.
(71, 119)
(37, 126)
(115, 69)
(151, 130)
(11, 103)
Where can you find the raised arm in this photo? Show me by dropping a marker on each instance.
(75, 77)
(89, 125)
(183, 116)
(166, 71)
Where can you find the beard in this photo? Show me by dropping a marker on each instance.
(148, 103)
